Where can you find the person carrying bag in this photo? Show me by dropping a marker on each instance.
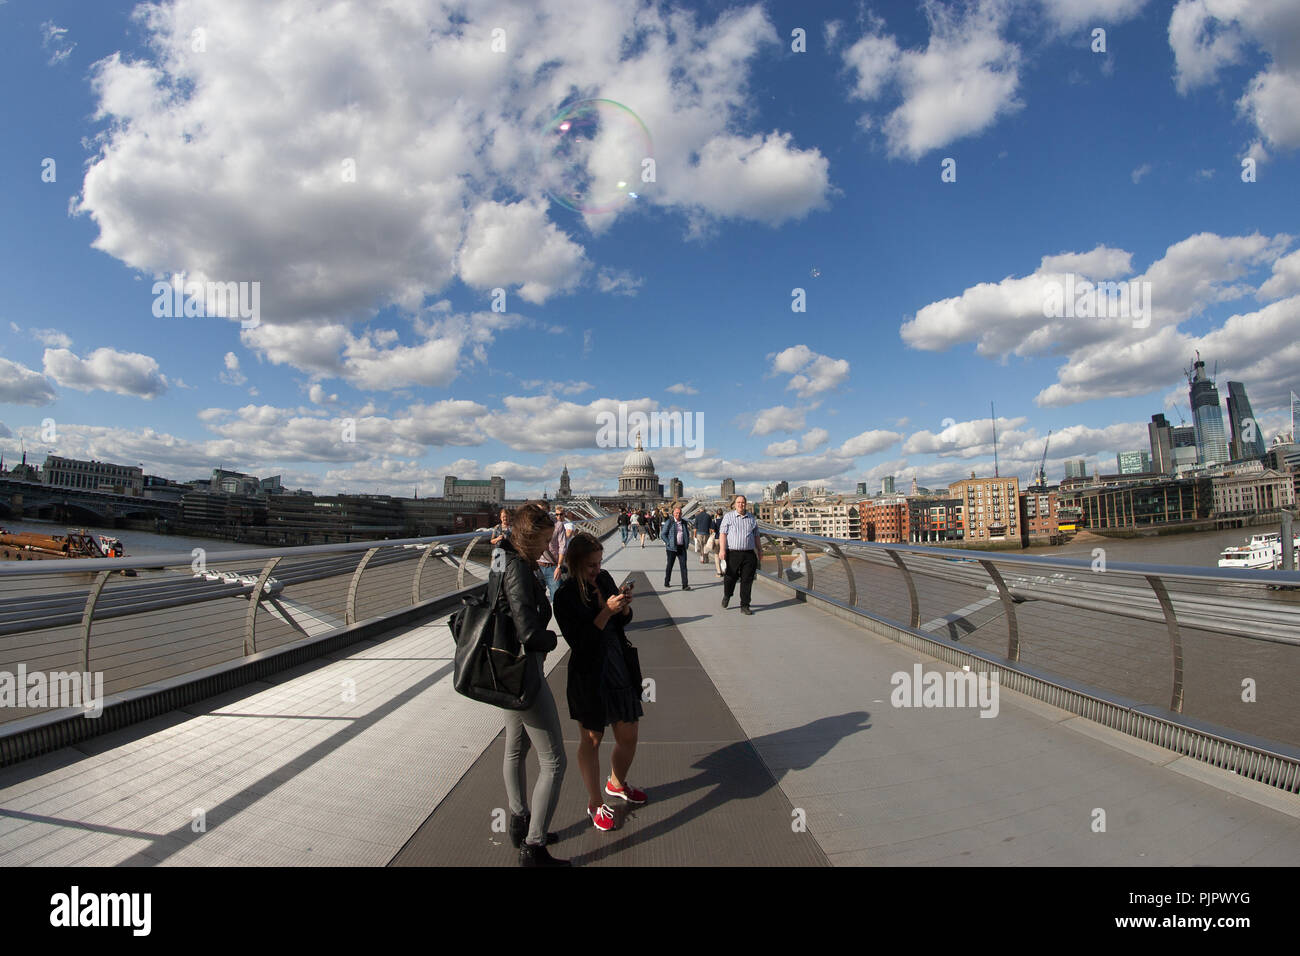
(501, 648)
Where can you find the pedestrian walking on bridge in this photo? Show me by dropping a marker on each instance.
(739, 548)
(677, 539)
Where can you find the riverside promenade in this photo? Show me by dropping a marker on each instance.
(771, 741)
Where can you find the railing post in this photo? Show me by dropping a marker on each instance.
(254, 599)
(834, 550)
(796, 555)
(430, 550)
(1175, 640)
(351, 615)
(915, 619)
(464, 559)
(1008, 608)
(87, 615)
(776, 552)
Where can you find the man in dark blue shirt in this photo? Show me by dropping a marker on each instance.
(702, 523)
(677, 538)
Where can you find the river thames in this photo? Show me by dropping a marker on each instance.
(1197, 549)
(138, 542)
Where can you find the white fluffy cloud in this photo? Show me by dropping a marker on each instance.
(1108, 357)
(1285, 279)
(814, 438)
(515, 245)
(618, 282)
(809, 371)
(779, 418)
(319, 396)
(414, 154)
(51, 337)
(106, 369)
(374, 359)
(1102, 263)
(232, 375)
(54, 39)
(1208, 35)
(20, 385)
(959, 85)
(1072, 14)
(541, 423)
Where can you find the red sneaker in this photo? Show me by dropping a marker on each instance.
(602, 817)
(629, 793)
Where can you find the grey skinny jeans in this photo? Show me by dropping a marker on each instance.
(539, 724)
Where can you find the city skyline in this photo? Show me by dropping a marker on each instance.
(923, 244)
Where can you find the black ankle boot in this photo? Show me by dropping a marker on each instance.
(519, 830)
(530, 855)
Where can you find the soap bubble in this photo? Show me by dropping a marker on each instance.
(591, 156)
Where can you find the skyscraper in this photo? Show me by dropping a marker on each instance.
(1076, 468)
(1211, 442)
(1162, 440)
(1295, 416)
(728, 487)
(887, 485)
(1134, 462)
(1247, 436)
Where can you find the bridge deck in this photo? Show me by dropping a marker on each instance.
(294, 772)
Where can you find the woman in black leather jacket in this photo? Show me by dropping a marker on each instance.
(525, 594)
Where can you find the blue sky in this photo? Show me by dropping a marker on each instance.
(210, 139)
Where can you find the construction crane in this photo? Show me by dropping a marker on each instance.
(1042, 465)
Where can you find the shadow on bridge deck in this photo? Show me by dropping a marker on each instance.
(755, 718)
(712, 799)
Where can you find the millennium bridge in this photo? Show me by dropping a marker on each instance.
(884, 705)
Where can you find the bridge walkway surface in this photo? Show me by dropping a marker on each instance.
(368, 757)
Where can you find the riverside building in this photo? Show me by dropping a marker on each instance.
(992, 507)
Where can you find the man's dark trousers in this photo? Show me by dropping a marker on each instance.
(680, 557)
(743, 565)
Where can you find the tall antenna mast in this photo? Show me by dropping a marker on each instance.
(994, 419)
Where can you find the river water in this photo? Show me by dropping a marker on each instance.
(1198, 549)
(139, 543)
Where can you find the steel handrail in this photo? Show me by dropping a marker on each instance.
(1212, 575)
(179, 558)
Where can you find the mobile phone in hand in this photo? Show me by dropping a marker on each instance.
(627, 588)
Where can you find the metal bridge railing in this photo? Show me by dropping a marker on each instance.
(1203, 661)
(185, 614)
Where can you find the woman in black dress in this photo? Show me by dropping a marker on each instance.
(604, 687)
